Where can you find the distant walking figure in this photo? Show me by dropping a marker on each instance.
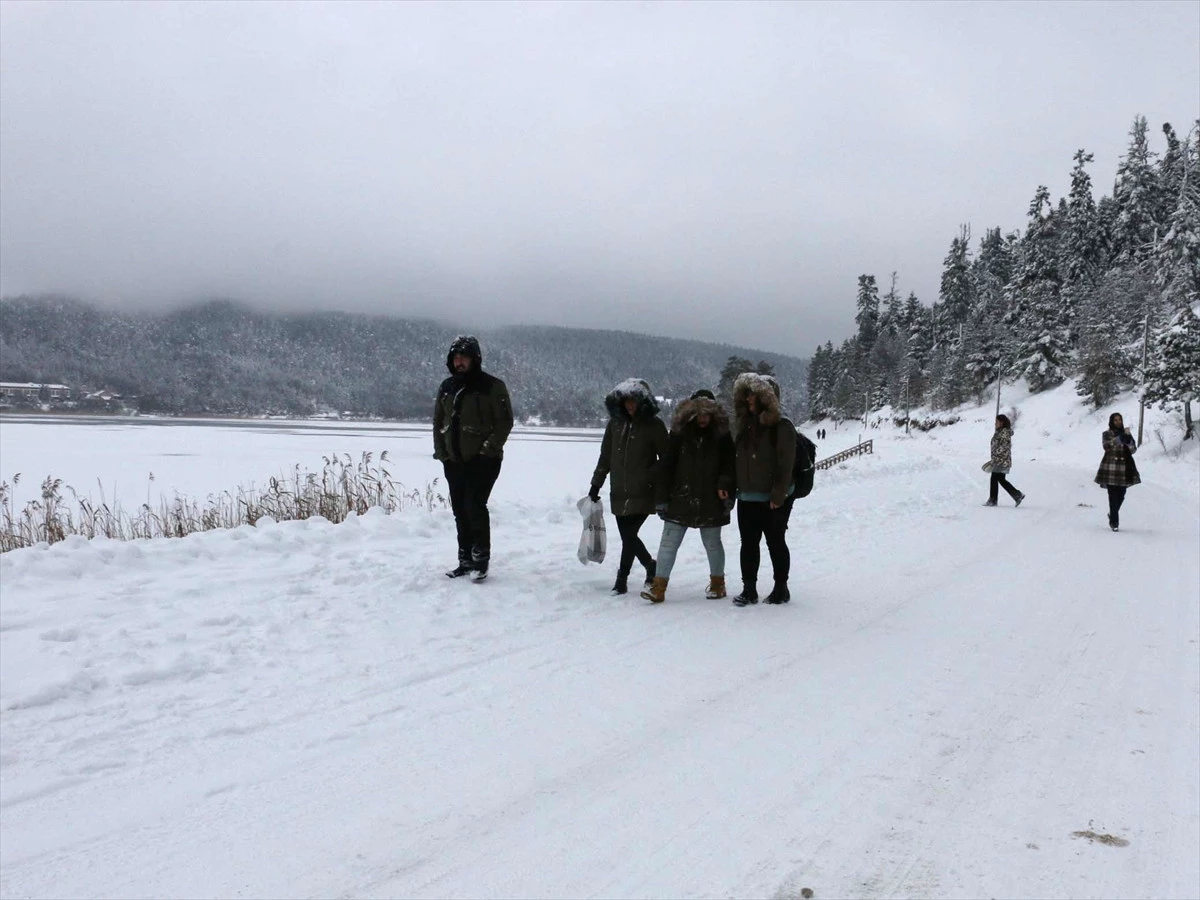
(1117, 469)
(1001, 463)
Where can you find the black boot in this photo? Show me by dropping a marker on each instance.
(651, 571)
(479, 564)
(779, 594)
(463, 568)
(748, 596)
(621, 585)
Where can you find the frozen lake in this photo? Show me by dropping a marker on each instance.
(137, 459)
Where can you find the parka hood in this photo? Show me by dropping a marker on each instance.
(688, 410)
(466, 345)
(631, 389)
(766, 393)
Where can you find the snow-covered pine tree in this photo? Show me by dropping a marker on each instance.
(891, 318)
(957, 291)
(820, 381)
(867, 316)
(1177, 253)
(1035, 309)
(1137, 196)
(983, 357)
(1175, 378)
(1104, 364)
(1081, 248)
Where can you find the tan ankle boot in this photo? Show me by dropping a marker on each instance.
(657, 592)
(716, 588)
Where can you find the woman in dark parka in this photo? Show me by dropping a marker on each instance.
(635, 441)
(1117, 470)
(694, 489)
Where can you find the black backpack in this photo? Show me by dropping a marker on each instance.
(805, 465)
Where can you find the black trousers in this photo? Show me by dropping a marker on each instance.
(757, 520)
(631, 544)
(1000, 481)
(470, 485)
(1116, 496)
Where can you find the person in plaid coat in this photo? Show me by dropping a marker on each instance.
(1002, 463)
(1117, 471)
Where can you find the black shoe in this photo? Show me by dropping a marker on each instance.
(479, 573)
(463, 568)
(621, 585)
(990, 503)
(651, 571)
(748, 597)
(1019, 498)
(779, 594)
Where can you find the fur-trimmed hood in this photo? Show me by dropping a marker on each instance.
(631, 388)
(766, 393)
(687, 411)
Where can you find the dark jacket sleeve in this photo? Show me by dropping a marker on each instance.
(785, 458)
(440, 450)
(604, 464)
(726, 472)
(502, 414)
(662, 441)
(666, 469)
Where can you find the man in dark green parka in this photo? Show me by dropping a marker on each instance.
(634, 443)
(472, 418)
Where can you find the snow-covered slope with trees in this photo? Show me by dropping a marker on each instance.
(1087, 289)
(223, 358)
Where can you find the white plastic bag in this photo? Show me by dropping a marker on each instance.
(594, 541)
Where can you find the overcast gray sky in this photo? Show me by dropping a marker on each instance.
(714, 170)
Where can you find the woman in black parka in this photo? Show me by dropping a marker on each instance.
(635, 442)
(695, 489)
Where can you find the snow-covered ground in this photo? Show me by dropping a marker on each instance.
(954, 695)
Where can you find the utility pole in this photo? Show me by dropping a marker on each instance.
(1142, 392)
(1145, 356)
(999, 381)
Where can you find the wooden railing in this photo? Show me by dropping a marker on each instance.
(858, 450)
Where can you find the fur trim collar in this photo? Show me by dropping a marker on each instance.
(766, 395)
(688, 410)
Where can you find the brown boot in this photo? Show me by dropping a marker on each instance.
(716, 588)
(657, 591)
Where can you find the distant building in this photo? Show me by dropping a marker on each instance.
(31, 392)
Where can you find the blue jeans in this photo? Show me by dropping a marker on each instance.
(672, 537)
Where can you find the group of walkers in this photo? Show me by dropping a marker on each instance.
(692, 474)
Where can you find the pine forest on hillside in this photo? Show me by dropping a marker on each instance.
(222, 358)
(1072, 295)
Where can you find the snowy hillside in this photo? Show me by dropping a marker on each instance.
(222, 358)
(958, 702)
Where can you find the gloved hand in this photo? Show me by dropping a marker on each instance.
(593, 495)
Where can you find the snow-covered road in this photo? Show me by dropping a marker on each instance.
(954, 694)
